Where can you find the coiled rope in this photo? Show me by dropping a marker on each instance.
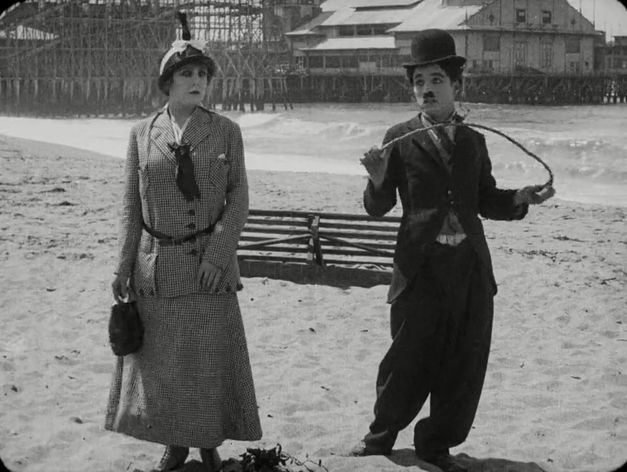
(548, 183)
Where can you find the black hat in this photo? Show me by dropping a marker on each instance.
(432, 46)
(183, 52)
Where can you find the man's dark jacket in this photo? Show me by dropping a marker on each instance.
(428, 190)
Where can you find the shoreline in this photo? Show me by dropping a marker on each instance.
(554, 391)
(40, 148)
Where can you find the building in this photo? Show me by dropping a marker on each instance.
(352, 37)
(499, 37)
(612, 57)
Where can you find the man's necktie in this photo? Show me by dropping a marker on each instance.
(185, 180)
(443, 143)
(445, 140)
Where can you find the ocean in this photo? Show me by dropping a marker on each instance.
(585, 146)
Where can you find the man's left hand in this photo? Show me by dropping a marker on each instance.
(209, 275)
(533, 194)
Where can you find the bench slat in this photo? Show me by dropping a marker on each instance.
(323, 215)
(273, 222)
(342, 262)
(356, 229)
(349, 252)
(375, 242)
(266, 230)
(341, 234)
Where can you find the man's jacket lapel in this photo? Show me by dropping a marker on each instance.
(423, 140)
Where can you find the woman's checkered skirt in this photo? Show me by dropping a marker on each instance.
(191, 382)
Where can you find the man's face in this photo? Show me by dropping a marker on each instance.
(434, 91)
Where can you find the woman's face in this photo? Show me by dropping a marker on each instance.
(189, 85)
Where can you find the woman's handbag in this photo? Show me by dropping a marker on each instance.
(126, 331)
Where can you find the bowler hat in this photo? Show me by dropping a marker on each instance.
(183, 52)
(432, 46)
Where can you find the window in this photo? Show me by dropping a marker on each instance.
(363, 30)
(401, 59)
(573, 45)
(347, 30)
(491, 42)
(332, 62)
(520, 53)
(546, 17)
(575, 67)
(379, 29)
(521, 15)
(349, 62)
(315, 62)
(546, 55)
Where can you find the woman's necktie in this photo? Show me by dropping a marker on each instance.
(185, 180)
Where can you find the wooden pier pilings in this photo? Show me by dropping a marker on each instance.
(494, 88)
(101, 58)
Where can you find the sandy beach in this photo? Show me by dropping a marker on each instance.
(554, 397)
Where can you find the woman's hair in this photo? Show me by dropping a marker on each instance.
(165, 84)
(451, 68)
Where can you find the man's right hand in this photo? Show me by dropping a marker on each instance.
(119, 286)
(376, 163)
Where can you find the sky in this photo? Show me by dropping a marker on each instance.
(608, 15)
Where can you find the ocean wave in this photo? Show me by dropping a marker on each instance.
(590, 158)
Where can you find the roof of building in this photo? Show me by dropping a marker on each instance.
(362, 42)
(27, 33)
(431, 14)
(307, 28)
(332, 5)
(349, 16)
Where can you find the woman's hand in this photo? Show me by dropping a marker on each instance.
(376, 163)
(119, 287)
(533, 194)
(208, 275)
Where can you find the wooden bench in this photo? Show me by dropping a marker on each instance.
(335, 249)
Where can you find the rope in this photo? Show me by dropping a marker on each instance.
(548, 183)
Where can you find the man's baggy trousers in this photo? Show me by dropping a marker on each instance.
(441, 327)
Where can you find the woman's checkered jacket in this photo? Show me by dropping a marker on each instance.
(151, 193)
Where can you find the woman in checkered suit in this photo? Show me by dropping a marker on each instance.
(185, 204)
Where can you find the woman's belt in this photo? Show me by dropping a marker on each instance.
(165, 240)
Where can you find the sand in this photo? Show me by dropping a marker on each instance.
(554, 397)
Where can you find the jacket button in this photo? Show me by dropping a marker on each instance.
(450, 193)
(191, 225)
(191, 212)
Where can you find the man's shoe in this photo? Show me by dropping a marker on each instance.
(211, 459)
(446, 462)
(173, 458)
(362, 450)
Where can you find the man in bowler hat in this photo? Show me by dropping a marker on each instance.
(442, 288)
